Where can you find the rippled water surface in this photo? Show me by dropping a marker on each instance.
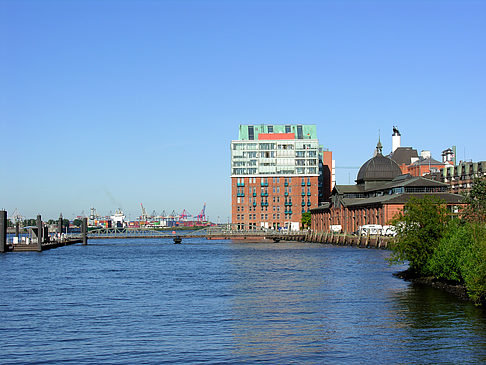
(150, 301)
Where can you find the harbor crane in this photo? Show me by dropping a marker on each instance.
(201, 217)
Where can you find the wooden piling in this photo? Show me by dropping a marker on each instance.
(84, 231)
(3, 231)
(39, 233)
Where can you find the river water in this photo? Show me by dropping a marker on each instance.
(150, 301)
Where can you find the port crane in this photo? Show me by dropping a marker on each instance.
(201, 217)
(144, 215)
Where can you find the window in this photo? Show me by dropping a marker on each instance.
(287, 129)
(299, 132)
(251, 133)
(270, 129)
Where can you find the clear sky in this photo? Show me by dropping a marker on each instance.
(115, 103)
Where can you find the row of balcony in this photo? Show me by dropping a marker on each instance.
(266, 194)
(266, 184)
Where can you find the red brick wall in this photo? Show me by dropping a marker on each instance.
(245, 213)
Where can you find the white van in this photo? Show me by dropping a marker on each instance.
(370, 229)
(336, 228)
(389, 231)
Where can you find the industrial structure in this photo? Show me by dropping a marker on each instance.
(278, 172)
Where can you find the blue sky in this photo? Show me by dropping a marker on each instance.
(115, 103)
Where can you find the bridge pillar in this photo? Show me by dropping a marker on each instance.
(3, 231)
(84, 231)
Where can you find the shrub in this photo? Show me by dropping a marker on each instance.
(473, 264)
(448, 257)
(420, 227)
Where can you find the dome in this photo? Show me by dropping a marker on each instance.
(378, 168)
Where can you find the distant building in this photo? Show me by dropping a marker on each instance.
(409, 160)
(380, 192)
(278, 172)
(460, 177)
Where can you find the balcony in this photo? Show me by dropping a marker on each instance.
(308, 204)
(308, 183)
(303, 183)
(264, 194)
(308, 193)
(254, 194)
(286, 194)
(264, 184)
(240, 185)
(288, 204)
(240, 194)
(286, 184)
(288, 212)
(303, 203)
(254, 204)
(303, 193)
(264, 204)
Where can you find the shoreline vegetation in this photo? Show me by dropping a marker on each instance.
(443, 249)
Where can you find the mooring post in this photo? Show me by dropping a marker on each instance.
(17, 231)
(59, 226)
(3, 231)
(84, 231)
(39, 233)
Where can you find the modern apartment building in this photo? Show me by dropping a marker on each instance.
(277, 173)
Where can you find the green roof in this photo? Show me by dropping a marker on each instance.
(308, 130)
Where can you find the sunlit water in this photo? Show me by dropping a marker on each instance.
(150, 301)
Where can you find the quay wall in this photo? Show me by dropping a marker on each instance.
(344, 239)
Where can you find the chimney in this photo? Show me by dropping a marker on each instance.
(396, 136)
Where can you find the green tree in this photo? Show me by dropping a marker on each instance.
(77, 222)
(306, 220)
(475, 209)
(420, 227)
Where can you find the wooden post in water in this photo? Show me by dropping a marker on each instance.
(39, 233)
(17, 231)
(3, 231)
(59, 226)
(84, 231)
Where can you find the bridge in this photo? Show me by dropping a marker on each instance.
(210, 233)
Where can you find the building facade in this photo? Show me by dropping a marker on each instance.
(380, 193)
(278, 172)
(460, 177)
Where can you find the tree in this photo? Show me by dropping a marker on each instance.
(475, 209)
(306, 220)
(420, 227)
(77, 222)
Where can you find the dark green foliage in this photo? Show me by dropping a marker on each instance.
(473, 264)
(475, 210)
(437, 246)
(419, 229)
(447, 260)
(77, 222)
(306, 219)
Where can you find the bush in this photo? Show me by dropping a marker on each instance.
(419, 229)
(447, 260)
(473, 264)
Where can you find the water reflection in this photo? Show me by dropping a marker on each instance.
(301, 303)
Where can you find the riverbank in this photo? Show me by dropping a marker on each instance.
(451, 287)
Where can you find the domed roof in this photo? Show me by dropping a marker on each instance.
(378, 168)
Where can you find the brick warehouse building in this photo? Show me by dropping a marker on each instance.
(380, 192)
(277, 173)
